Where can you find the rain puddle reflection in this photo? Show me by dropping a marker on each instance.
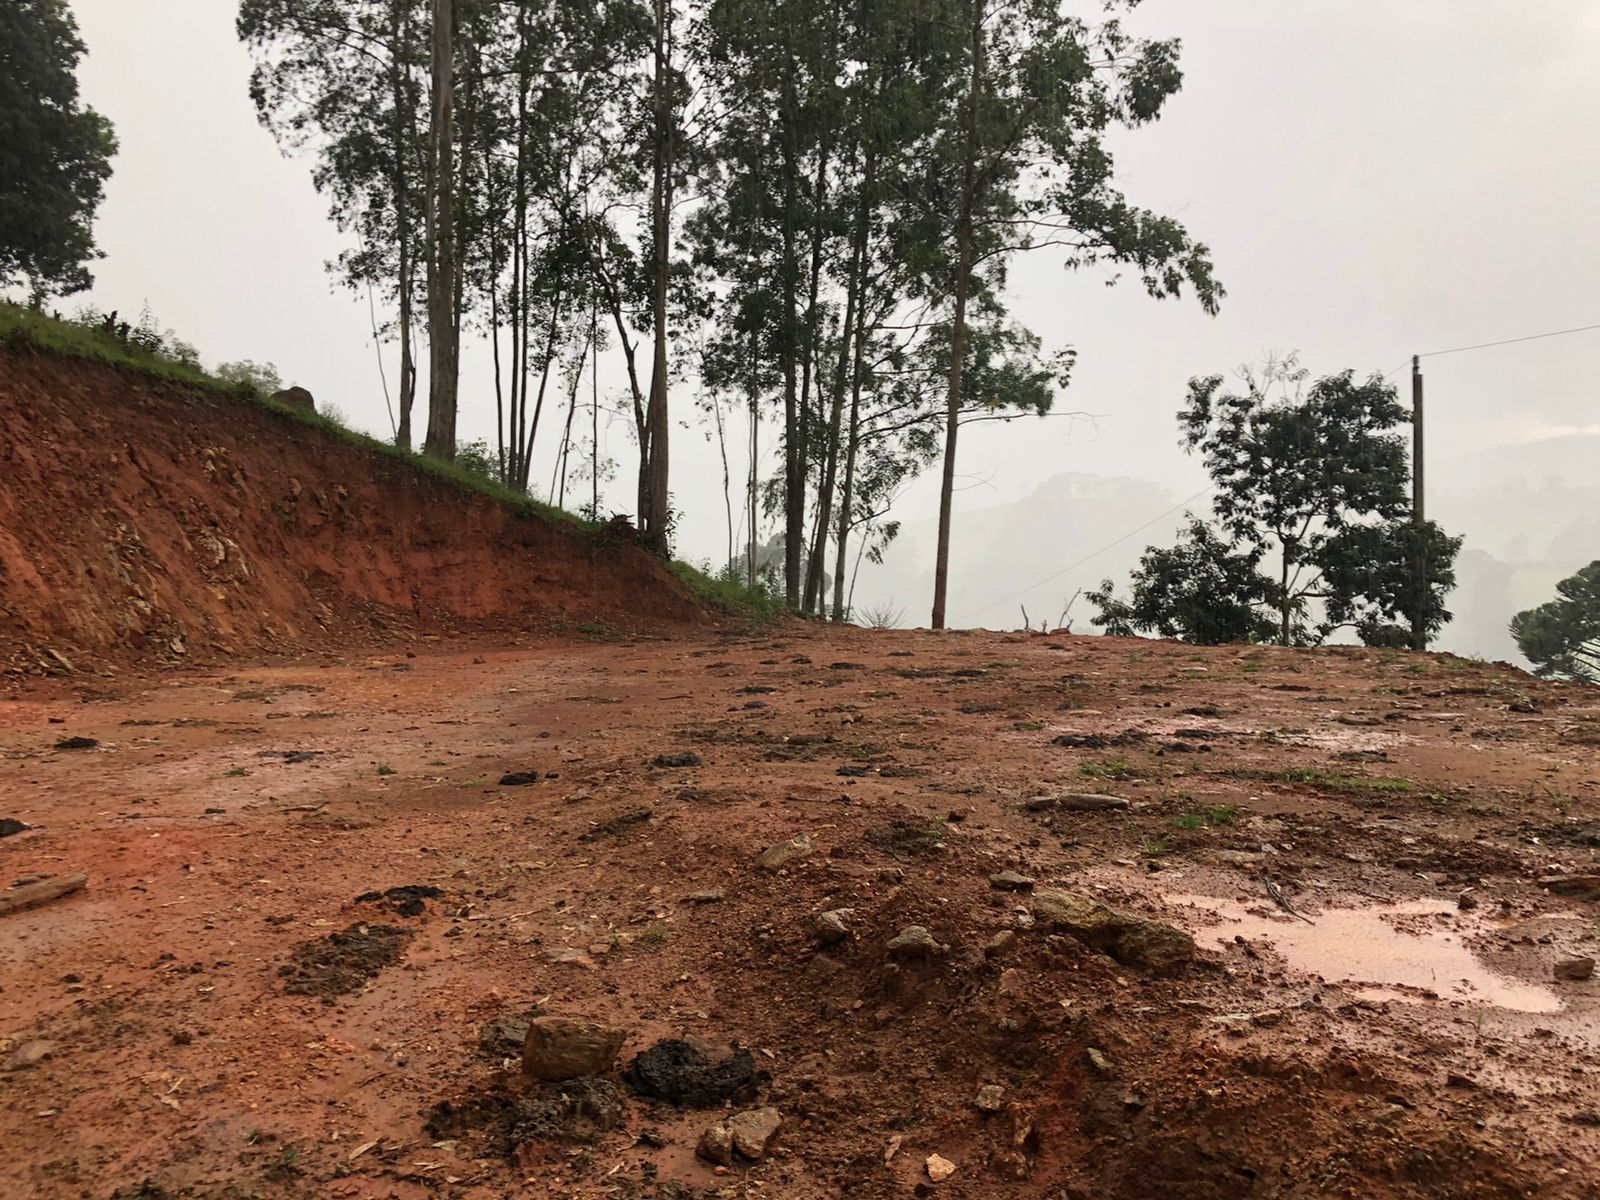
(1386, 947)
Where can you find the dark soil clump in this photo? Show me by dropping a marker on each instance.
(682, 1073)
(576, 1112)
(344, 961)
(406, 900)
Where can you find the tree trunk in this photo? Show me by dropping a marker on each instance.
(654, 502)
(794, 450)
(847, 494)
(442, 341)
(958, 329)
(1283, 600)
(755, 453)
(399, 45)
(830, 472)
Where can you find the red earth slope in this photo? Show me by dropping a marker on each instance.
(146, 520)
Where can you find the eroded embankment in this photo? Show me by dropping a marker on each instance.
(145, 520)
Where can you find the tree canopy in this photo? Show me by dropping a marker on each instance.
(55, 153)
(1314, 475)
(1562, 636)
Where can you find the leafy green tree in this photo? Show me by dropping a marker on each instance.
(1202, 590)
(1024, 165)
(55, 153)
(1320, 476)
(1562, 637)
(345, 80)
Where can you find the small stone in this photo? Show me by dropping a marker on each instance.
(10, 826)
(711, 897)
(1466, 902)
(561, 1048)
(1000, 942)
(777, 857)
(1098, 1060)
(939, 1168)
(1078, 802)
(568, 956)
(991, 1098)
(753, 1130)
(1010, 881)
(1575, 969)
(747, 1135)
(687, 758)
(831, 928)
(29, 1054)
(914, 941)
(716, 1145)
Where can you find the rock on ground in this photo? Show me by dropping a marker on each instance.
(777, 857)
(746, 1134)
(560, 1048)
(1575, 969)
(1133, 941)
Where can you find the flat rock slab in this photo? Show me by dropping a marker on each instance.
(775, 858)
(1584, 887)
(1010, 881)
(1133, 941)
(1078, 802)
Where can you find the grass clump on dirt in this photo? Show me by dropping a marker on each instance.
(1113, 768)
(729, 592)
(1204, 818)
(1317, 777)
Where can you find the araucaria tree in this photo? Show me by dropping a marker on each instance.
(1314, 480)
(55, 154)
(1562, 637)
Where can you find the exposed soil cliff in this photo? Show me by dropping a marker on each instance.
(144, 520)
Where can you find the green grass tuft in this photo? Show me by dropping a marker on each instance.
(1115, 768)
(1203, 818)
(1333, 781)
(729, 594)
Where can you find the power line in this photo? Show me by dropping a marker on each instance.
(1532, 337)
(1096, 554)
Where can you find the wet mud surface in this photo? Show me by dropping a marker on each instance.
(317, 923)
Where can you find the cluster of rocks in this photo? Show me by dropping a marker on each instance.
(565, 1049)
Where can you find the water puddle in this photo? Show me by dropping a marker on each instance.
(1387, 948)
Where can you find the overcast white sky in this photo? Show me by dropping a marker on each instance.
(1375, 179)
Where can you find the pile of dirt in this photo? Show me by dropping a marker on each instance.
(143, 520)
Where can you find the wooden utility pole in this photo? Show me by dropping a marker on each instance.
(1419, 627)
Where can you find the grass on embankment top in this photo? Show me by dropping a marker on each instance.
(24, 328)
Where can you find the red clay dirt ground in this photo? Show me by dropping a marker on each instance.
(1398, 1041)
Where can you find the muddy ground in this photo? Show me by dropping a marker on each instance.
(217, 1014)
